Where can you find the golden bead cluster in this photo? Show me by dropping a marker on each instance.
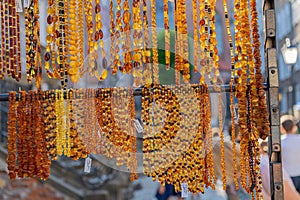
(173, 147)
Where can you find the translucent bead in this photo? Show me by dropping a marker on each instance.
(49, 30)
(49, 39)
(104, 74)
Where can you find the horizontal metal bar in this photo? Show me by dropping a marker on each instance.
(138, 91)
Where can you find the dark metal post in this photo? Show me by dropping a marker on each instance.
(273, 100)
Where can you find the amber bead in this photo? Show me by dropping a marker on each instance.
(49, 19)
(97, 8)
(97, 35)
(47, 56)
(101, 34)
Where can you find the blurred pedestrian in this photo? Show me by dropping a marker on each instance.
(289, 192)
(290, 145)
(165, 192)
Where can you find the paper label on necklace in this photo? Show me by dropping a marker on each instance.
(19, 7)
(236, 114)
(138, 126)
(26, 3)
(87, 165)
(184, 190)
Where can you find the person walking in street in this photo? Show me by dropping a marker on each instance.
(289, 192)
(290, 144)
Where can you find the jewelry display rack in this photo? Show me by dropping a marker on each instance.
(274, 146)
(271, 87)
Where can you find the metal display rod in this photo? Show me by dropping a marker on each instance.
(138, 91)
(274, 145)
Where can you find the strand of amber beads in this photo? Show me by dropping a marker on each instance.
(6, 37)
(66, 43)
(74, 46)
(2, 52)
(133, 173)
(154, 43)
(51, 20)
(209, 161)
(222, 141)
(90, 31)
(19, 64)
(49, 122)
(196, 38)
(241, 72)
(118, 30)
(13, 42)
(127, 54)
(185, 45)
(260, 110)
(60, 39)
(29, 26)
(30, 168)
(38, 60)
(137, 44)
(146, 51)
(22, 128)
(203, 24)
(177, 54)
(59, 117)
(80, 26)
(11, 16)
(213, 48)
(77, 148)
(258, 171)
(167, 33)
(12, 135)
(42, 161)
(95, 144)
(233, 135)
(68, 110)
(114, 67)
(99, 36)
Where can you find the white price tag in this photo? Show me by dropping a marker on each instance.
(19, 7)
(138, 126)
(184, 190)
(236, 114)
(26, 3)
(87, 165)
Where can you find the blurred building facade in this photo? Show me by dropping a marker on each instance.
(288, 26)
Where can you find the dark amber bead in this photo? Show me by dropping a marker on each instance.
(47, 56)
(100, 34)
(49, 19)
(97, 8)
(31, 54)
(96, 36)
(118, 13)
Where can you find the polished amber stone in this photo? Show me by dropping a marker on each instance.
(47, 56)
(97, 8)
(49, 19)
(49, 39)
(126, 16)
(101, 34)
(96, 36)
(49, 30)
